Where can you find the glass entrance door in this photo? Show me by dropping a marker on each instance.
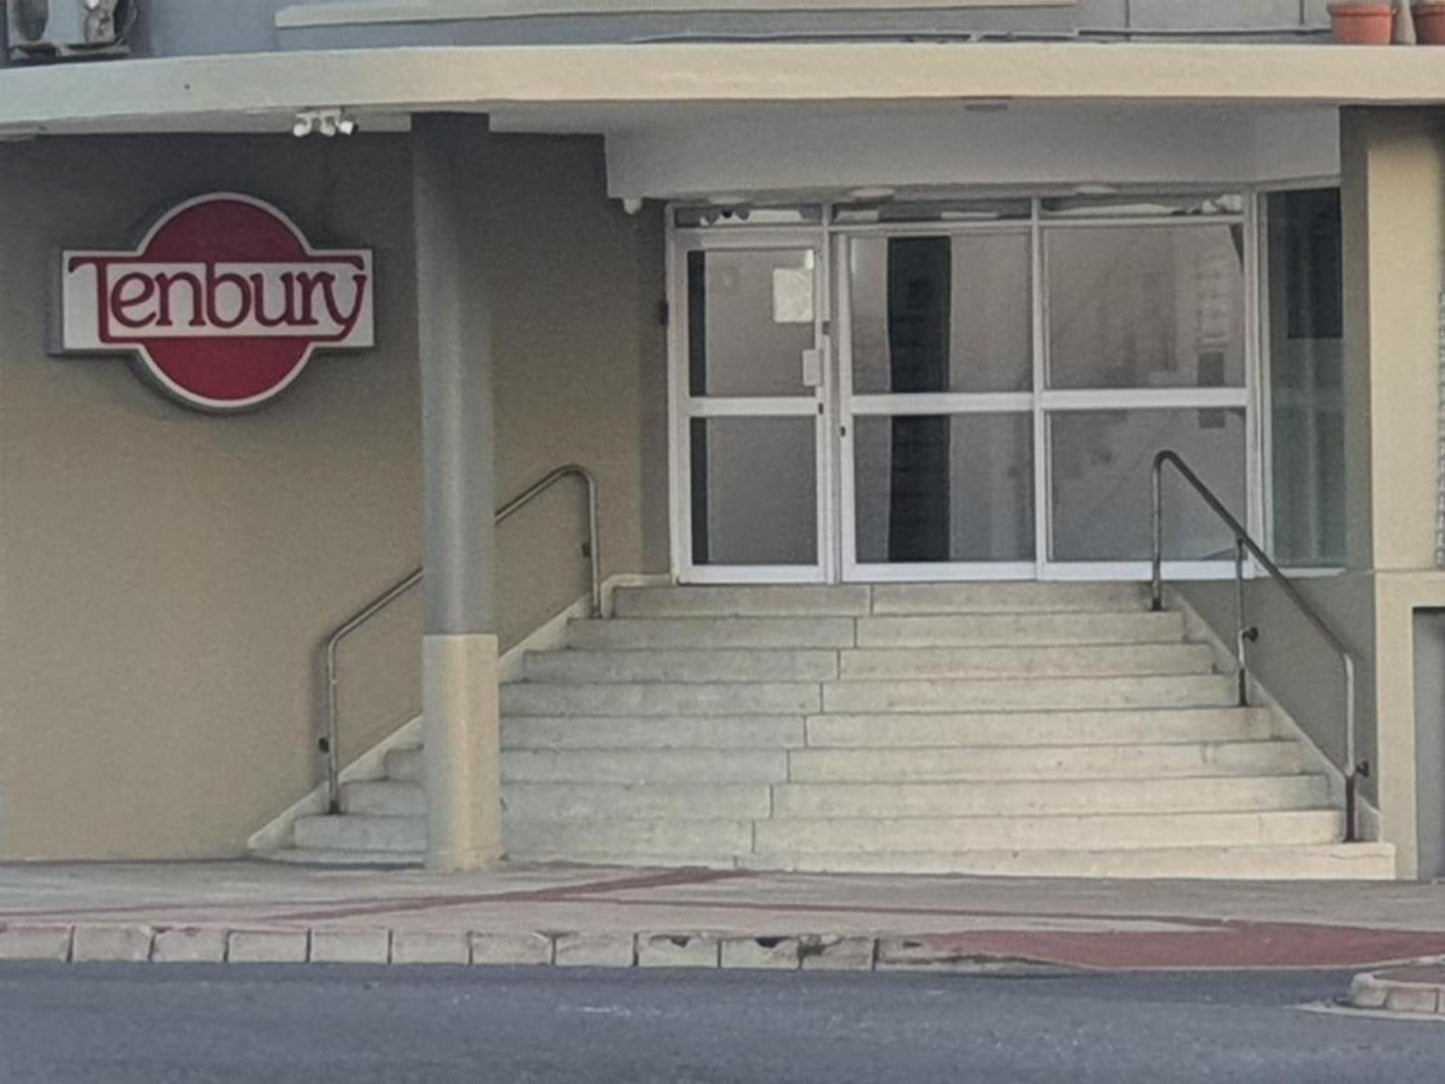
(937, 443)
(750, 477)
(961, 389)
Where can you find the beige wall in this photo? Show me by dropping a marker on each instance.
(165, 576)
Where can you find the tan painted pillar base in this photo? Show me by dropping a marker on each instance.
(463, 760)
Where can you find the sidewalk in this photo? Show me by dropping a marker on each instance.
(573, 915)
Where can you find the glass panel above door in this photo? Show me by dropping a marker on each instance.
(944, 489)
(941, 314)
(751, 322)
(1146, 306)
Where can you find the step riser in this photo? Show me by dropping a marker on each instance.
(823, 633)
(981, 630)
(691, 766)
(653, 700)
(709, 633)
(699, 666)
(1037, 728)
(872, 697)
(582, 802)
(814, 801)
(907, 599)
(1048, 833)
(717, 732)
(741, 602)
(1317, 863)
(628, 667)
(701, 841)
(358, 833)
(1139, 660)
(387, 799)
(1042, 762)
(860, 601)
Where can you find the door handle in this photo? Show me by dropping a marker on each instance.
(813, 365)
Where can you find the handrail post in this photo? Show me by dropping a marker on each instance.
(1158, 525)
(1353, 767)
(1241, 634)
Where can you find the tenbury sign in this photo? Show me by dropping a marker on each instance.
(222, 305)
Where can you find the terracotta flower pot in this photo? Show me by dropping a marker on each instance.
(1363, 24)
(1430, 22)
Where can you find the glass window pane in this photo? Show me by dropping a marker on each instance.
(941, 314)
(956, 488)
(1306, 362)
(750, 319)
(754, 491)
(1146, 307)
(1101, 463)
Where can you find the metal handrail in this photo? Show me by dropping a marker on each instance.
(1244, 635)
(329, 743)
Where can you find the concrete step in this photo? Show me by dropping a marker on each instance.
(969, 630)
(663, 732)
(664, 842)
(876, 835)
(387, 798)
(636, 701)
(1314, 862)
(779, 601)
(604, 802)
(987, 763)
(1073, 660)
(1119, 727)
(646, 766)
(685, 666)
(953, 598)
(1036, 798)
(361, 832)
(1034, 694)
(712, 632)
(404, 765)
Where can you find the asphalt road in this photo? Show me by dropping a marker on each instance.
(318, 1025)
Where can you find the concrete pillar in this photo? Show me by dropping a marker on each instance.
(459, 654)
(1393, 178)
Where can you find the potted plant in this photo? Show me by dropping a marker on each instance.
(1430, 21)
(1360, 23)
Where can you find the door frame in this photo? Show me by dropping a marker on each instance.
(838, 407)
(683, 407)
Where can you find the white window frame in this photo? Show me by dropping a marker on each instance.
(839, 406)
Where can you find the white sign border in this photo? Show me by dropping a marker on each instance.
(152, 373)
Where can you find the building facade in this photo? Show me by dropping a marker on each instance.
(826, 296)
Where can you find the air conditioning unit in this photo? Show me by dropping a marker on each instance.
(51, 29)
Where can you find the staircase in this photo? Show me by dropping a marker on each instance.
(996, 729)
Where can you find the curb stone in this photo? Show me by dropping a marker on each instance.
(110, 942)
(1417, 990)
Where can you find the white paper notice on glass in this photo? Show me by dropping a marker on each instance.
(792, 295)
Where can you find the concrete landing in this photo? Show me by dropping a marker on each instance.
(258, 912)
